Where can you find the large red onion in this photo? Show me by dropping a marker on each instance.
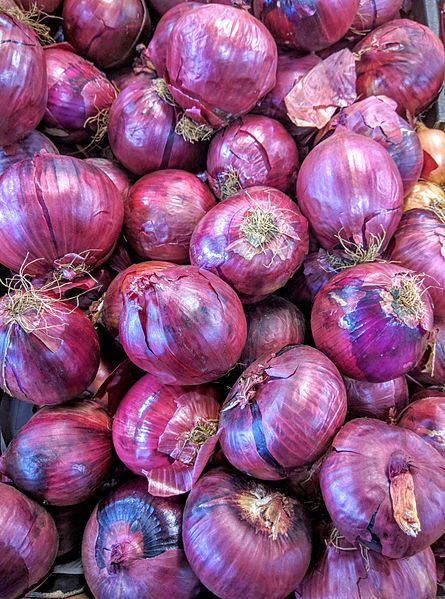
(58, 213)
(29, 543)
(141, 131)
(426, 417)
(23, 91)
(166, 434)
(376, 400)
(373, 321)
(182, 324)
(63, 454)
(220, 62)
(350, 187)
(254, 150)
(431, 368)
(161, 213)
(32, 144)
(372, 13)
(384, 487)
(391, 62)
(120, 177)
(244, 538)
(255, 241)
(283, 412)
(306, 24)
(132, 547)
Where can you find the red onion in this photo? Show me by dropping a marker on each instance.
(271, 324)
(166, 434)
(116, 384)
(373, 321)
(319, 268)
(433, 145)
(182, 324)
(120, 177)
(48, 6)
(106, 32)
(372, 13)
(376, 400)
(244, 538)
(162, 6)
(24, 89)
(297, 385)
(141, 131)
(391, 62)
(426, 417)
(306, 24)
(29, 543)
(68, 232)
(63, 454)
(255, 241)
(161, 212)
(132, 547)
(70, 523)
(383, 487)
(431, 368)
(220, 62)
(25, 148)
(254, 150)
(122, 78)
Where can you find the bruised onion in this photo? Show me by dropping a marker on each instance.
(183, 325)
(431, 368)
(283, 412)
(383, 487)
(426, 417)
(63, 454)
(120, 177)
(433, 146)
(376, 400)
(255, 241)
(166, 434)
(372, 13)
(161, 212)
(425, 194)
(32, 144)
(244, 538)
(132, 547)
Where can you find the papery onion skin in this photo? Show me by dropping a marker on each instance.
(349, 186)
(391, 63)
(141, 131)
(363, 319)
(426, 195)
(431, 368)
(48, 6)
(308, 25)
(24, 88)
(106, 32)
(162, 6)
(433, 145)
(120, 177)
(162, 211)
(256, 150)
(63, 454)
(255, 241)
(32, 144)
(297, 385)
(132, 547)
(195, 331)
(238, 553)
(376, 400)
(29, 543)
(426, 417)
(220, 62)
(372, 13)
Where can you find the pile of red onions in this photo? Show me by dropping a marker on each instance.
(376, 400)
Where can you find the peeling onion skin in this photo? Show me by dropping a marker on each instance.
(132, 547)
(373, 13)
(431, 368)
(376, 400)
(354, 481)
(32, 144)
(234, 554)
(426, 417)
(28, 545)
(282, 413)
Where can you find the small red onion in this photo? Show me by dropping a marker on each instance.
(376, 400)
(431, 368)
(120, 177)
(32, 144)
(372, 13)
(253, 150)
(255, 241)
(426, 417)
(161, 213)
(297, 385)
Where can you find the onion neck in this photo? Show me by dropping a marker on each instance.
(247, 390)
(194, 439)
(121, 555)
(269, 512)
(260, 227)
(404, 299)
(228, 182)
(403, 499)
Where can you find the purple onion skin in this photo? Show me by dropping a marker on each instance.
(318, 271)
(141, 131)
(120, 177)
(232, 554)
(122, 78)
(162, 6)
(297, 385)
(391, 63)
(373, 13)
(48, 6)
(355, 478)
(32, 144)
(376, 400)
(28, 545)
(426, 417)
(132, 547)
(431, 368)
(63, 454)
(297, 292)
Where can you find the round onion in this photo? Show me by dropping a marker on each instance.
(24, 90)
(220, 62)
(32, 144)
(372, 13)
(373, 321)
(29, 543)
(297, 385)
(306, 24)
(183, 325)
(122, 78)
(166, 434)
(141, 131)
(120, 177)
(427, 195)
(426, 417)
(255, 241)
(377, 400)
(349, 187)
(44, 228)
(391, 62)
(244, 538)
(433, 145)
(106, 32)
(254, 150)
(161, 212)
(383, 487)
(431, 368)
